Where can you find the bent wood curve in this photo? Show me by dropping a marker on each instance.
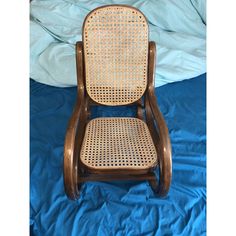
(158, 129)
(75, 131)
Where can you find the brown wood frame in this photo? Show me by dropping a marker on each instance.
(76, 173)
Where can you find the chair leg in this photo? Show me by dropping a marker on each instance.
(154, 183)
(72, 188)
(76, 195)
(73, 191)
(79, 184)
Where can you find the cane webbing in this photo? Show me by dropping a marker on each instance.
(118, 143)
(116, 52)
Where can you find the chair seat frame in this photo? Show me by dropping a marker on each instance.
(75, 172)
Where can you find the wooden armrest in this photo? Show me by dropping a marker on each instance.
(71, 150)
(164, 147)
(163, 141)
(74, 133)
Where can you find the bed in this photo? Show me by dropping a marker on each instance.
(120, 207)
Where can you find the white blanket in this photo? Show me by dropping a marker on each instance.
(177, 27)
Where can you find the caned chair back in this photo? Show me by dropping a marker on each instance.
(115, 40)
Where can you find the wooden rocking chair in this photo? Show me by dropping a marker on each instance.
(115, 66)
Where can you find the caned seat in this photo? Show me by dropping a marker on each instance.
(118, 143)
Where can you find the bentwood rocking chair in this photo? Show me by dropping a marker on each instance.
(115, 67)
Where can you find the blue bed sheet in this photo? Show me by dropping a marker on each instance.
(119, 208)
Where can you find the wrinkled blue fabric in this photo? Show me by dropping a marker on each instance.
(177, 27)
(119, 208)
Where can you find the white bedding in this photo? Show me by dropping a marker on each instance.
(177, 27)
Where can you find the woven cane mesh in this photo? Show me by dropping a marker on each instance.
(116, 52)
(112, 143)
